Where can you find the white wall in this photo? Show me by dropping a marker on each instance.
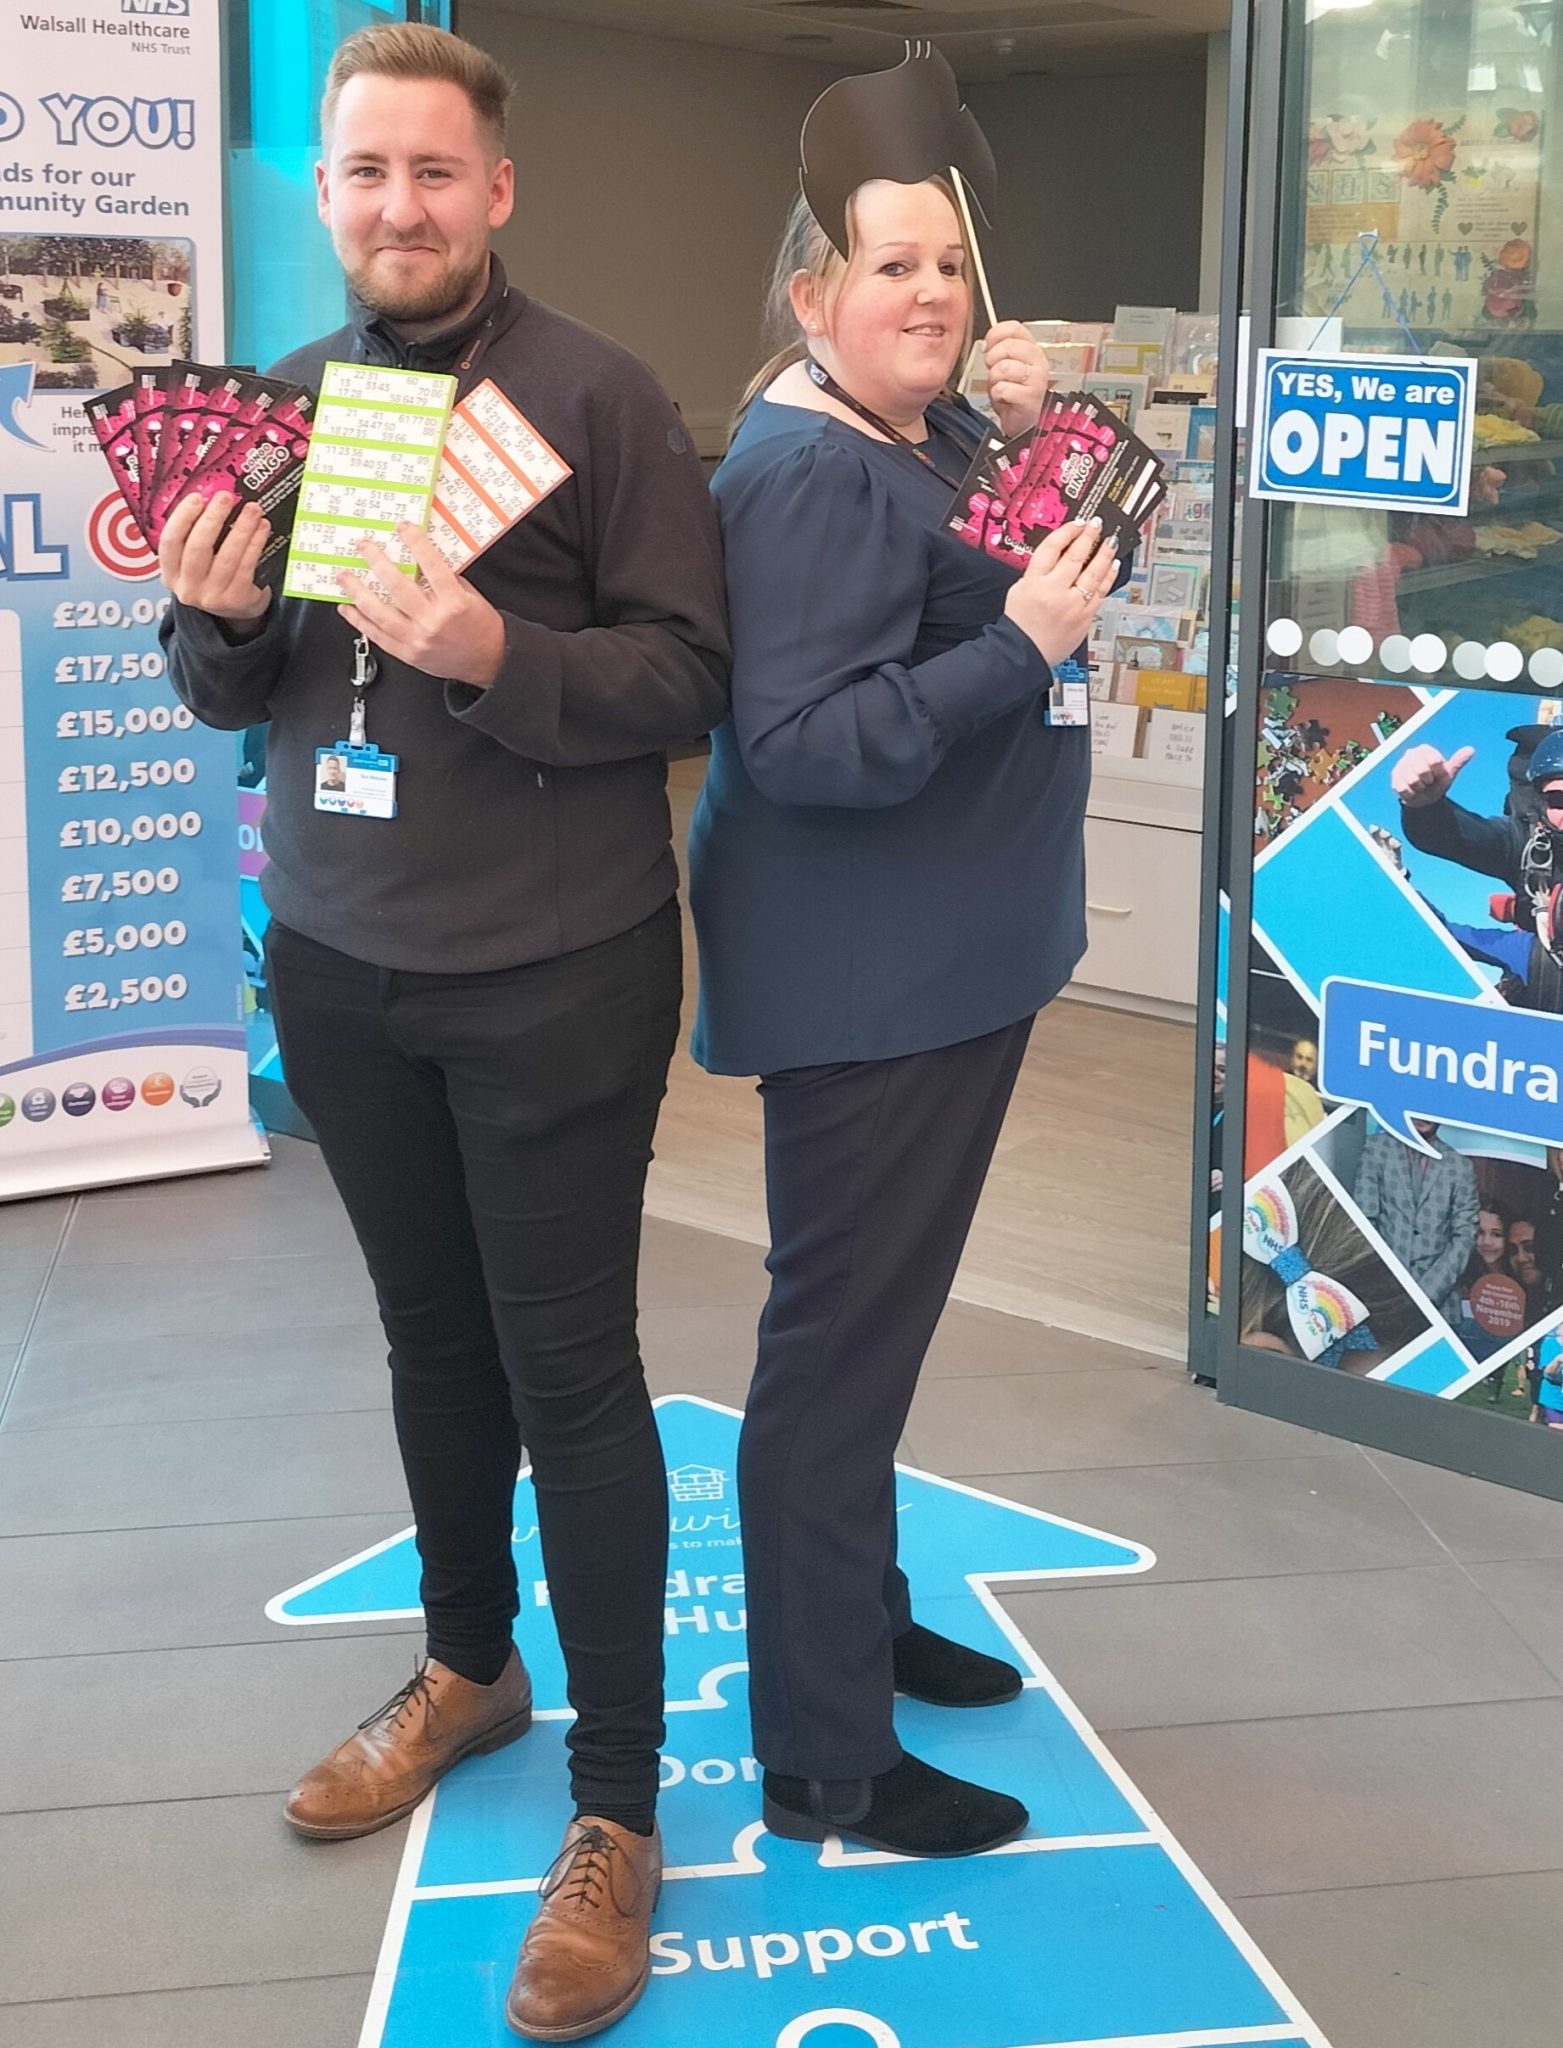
(653, 178)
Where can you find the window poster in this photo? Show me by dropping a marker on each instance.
(1451, 196)
(1403, 1141)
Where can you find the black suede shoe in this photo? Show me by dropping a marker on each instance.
(911, 1810)
(946, 1674)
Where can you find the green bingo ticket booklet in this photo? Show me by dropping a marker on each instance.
(374, 460)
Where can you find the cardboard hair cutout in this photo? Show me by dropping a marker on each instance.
(905, 124)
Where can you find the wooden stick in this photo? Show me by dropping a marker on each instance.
(959, 184)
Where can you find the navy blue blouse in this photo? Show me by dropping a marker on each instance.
(887, 855)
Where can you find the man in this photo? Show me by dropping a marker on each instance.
(477, 997)
(1527, 855)
(1425, 1209)
(1522, 1255)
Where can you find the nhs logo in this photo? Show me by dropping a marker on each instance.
(179, 7)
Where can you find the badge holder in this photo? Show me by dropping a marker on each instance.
(1069, 699)
(354, 779)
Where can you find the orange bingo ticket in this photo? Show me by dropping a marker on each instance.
(494, 468)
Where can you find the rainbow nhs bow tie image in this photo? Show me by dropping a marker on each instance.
(1327, 1319)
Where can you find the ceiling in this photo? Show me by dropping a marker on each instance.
(982, 40)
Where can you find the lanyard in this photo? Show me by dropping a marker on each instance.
(366, 666)
(365, 669)
(828, 384)
(469, 361)
(474, 354)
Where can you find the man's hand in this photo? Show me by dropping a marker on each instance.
(1422, 775)
(440, 624)
(1017, 376)
(211, 575)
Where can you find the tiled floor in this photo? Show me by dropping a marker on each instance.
(1342, 1685)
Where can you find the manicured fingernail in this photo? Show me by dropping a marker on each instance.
(1094, 520)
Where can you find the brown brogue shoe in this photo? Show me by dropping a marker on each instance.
(587, 1953)
(391, 1760)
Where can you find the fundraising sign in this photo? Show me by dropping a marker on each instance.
(1392, 432)
(1413, 1057)
(121, 983)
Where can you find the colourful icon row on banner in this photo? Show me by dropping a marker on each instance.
(198, 1088)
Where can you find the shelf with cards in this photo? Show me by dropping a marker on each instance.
(1147, 657)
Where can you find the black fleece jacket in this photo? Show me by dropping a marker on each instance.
(533, 815)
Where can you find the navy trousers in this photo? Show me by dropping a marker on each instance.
(873, 1171)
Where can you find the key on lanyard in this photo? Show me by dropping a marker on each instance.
(365, 669)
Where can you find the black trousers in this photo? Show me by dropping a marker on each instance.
(489, 1135)
(873, 1171)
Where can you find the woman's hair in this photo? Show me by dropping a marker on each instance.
(1333, 1245)
(1474, 1269)
(415, 49)
(1273, 1044)
(805, 246)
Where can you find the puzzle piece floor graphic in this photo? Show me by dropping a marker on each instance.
(501, 1816)
(1091, 1931)
(1005, 1949)
(947, 1533)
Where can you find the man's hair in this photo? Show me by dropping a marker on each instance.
(415, 49)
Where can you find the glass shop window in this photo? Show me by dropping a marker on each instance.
(1422, 201)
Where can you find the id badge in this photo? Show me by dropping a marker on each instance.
(355, 782)
(1069, 700)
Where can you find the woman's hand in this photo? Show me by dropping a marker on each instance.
(1017, 376)
(1062, 589)
(212, 575)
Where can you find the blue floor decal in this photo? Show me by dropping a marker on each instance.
(1092, 1931)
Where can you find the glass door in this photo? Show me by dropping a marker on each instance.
(1391, 1215)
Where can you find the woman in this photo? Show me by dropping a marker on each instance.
(887, 879)
(1489, 1262)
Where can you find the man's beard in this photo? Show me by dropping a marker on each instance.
(416, 301)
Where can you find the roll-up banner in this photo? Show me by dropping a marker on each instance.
(121, 973)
